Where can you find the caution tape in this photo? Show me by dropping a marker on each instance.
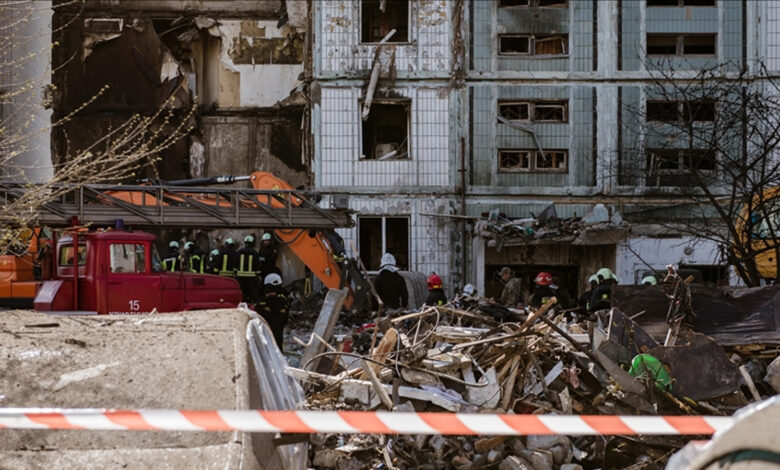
(357, 422)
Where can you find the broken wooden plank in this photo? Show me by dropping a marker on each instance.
(323, 327)
(385, 347)
(378, 388)
(510, 383)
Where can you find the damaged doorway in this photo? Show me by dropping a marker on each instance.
(568, 275)
(380, 235)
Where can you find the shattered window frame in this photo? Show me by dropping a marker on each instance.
(680, 3)
(403, 148)
(533, 113)
(666, 162)
(400, 36)
(534, 41)
(533, 3)
(679, 44)
(530, 160)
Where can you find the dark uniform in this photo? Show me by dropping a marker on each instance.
(197, 261)
(268, 253)
(171, 260)
(436, 297)
(247, 266)
(542, 294)
(273, 308)
(601, 296)
(213, 264)
(391, 288)
(227, 261)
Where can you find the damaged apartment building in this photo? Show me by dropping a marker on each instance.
(238, 64)
(428, 115)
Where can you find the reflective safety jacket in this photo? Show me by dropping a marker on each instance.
(227, 262)
(197, 261)
(171, 261)
(248, 264)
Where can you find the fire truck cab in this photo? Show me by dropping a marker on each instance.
(120, 272)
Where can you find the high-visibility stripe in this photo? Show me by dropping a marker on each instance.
(358, 422)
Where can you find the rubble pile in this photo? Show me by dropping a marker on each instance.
(472, 355)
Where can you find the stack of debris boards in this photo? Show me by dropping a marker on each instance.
(475, 356)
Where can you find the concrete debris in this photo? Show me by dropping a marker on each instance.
(465, 357)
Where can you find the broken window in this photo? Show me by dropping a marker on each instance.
(516, 44)
(681, 44)
(514, 111)
(680, 3)
(526, 160)
(510, 44)
(669, 167)
(534, 3)
(533, 111)
(674, 111)
(550, 112)
(380, 235)
(379, 17)
(386, 131)
(550, 45)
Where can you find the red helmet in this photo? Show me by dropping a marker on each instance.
(434, 282)
(543, 279)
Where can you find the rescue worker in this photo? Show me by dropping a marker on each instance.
(248, 268)
(213, 264)
(543, 291)
(171, 261)
(268, 253)
(561, 293)
(584, 299)
(436, 294)
(390, 286)
(649, 281)
(470, 290)
(514, 293)
(227, 259)
(273, 307)
(195, 257)
(600, 298)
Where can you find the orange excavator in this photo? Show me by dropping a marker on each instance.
(322, 251)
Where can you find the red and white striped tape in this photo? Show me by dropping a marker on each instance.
(357, 422)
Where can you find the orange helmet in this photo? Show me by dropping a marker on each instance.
(543, 279)
(434, 282)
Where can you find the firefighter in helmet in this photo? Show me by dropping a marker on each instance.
(171, 261)
(273, 307)
(436, 294)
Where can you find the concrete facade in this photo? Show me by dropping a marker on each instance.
(570, 76)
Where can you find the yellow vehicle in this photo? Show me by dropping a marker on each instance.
(759, 225)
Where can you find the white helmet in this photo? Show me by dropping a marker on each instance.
(267, 236)
(273, 279)
(189, 245)
(215, 252)
(469, 289)
(249, 239)
(387, 260)
(173, 244)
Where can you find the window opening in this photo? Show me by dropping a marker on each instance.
(380, 235)
(127, 258)
(525, 160)
(681, 44)
(536, 112)
(514, 44)
(375, 23)
(669, 167)
(680, 3)
(550, 45)
(674, 111)
(514, 111)
(386, 131)
(513, 3)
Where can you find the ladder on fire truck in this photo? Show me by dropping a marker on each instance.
(177, 205)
